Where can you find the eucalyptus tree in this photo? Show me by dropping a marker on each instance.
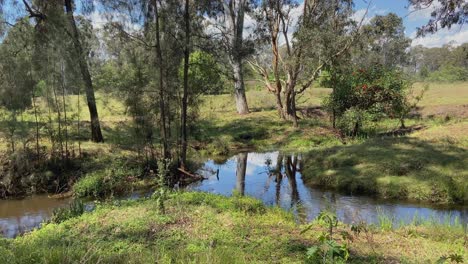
(74, 33)
(233, 30)
(300, 50)
(59, 14)
(383, 41)
(445, 14)
(16, 81)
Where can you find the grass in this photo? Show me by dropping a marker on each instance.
(396, 168)
(206, 228)
(384, 167)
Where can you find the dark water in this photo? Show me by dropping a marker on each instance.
(271, 177)
(276, 180)
(19, 216)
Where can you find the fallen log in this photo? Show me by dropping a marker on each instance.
(61, 195)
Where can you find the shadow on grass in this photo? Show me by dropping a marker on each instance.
(403, 167)
(264, 129)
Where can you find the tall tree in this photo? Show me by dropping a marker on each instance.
(96, 134)
(234, 14)
(183, 133)
(50, 13)
(384, 42)
(306, 49)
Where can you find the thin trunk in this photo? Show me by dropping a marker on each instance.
(79, 120)
(96, 134)
(159, 63)
(33, 96)
(59, 116)
(183, 154)
(64, 111)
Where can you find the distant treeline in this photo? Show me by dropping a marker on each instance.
(444, 64)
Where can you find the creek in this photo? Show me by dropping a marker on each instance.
(272, 177)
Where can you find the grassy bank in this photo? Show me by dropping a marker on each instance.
(398, 168)
(205, 228)
(220, 131)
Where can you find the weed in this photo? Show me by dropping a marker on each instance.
(76, 208)
(328, 250)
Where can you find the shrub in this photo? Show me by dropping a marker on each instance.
(329, 250)
(104, 183)
(368, 95)
(75, 209)
(449, 73)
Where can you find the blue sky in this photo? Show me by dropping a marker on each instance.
(457, 35)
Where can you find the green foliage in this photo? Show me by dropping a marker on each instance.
(16, 76)
(368, 95)
(161, 194)
(384, 42)
(449, 73)
(328, 250)
(204, 74)
(107, 182)
(75, 209)
(385, 221)
(451, 258)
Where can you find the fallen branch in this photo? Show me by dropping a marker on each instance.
(190, 174)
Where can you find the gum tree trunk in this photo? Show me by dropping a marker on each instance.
(183, 154)
(96, 134)
(159, 64)
(234, 18)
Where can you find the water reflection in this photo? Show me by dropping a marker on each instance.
(276, 179)
(273, 177)
(19, 216)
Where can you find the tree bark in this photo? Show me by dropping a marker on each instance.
(96, 134)
(159, 64)
(234, 11)
(183, 154)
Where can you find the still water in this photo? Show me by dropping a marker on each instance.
(19, 216)
(271, 177)
(276, 180)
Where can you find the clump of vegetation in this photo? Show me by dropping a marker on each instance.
(328, 250)
(369, 95)
(75, 209)
(106, 182)
(162, 189)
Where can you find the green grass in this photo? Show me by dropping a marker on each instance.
(443, 93)
(396, 168)
(220, 131)
(207, 228)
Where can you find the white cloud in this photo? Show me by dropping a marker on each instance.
(361, 14)
(422, 14)
(98, 20)
(455, 36)
(367, 15)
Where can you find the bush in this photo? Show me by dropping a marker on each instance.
(368, 95)
(75, 209)
(104, 183)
